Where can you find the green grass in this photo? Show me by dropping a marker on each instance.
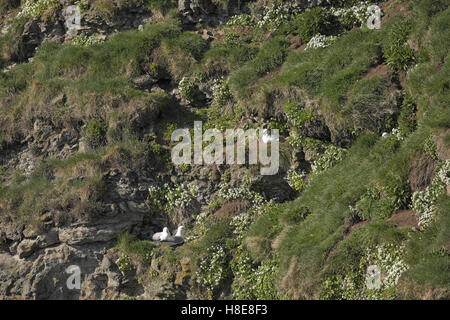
(315, 21)
(429, 262)
(331, 74)
(140, 251)
(370, 106)
(270, 56)
(98, 92)
(328, 198)
(94, 79)
(12, 47)
(222, 59)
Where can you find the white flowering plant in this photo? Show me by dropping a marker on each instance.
(221, 92)
(200, 227)
(297, 114)
(356, 15)
(241, 20)
(85, 40)
(242, 192)
(275, 15)
(212, 269)
(299, 141)
(320, 41)
(329, 158)
(387, 260)
(253, 282)
(169, 198)
(124, 263)
(424, 202)
(296, 179)
(34, 9)
(240, 225)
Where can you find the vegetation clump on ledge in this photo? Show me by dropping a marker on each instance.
(85, 141)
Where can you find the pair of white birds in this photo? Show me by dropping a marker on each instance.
(166, 236)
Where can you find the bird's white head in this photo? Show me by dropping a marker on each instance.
(180, 231)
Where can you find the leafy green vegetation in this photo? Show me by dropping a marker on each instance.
(397, 52)
(364, 140)
(96, 132)
(270, 56)
(315, 21)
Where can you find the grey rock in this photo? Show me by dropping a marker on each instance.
(27, 247)
(83, 235)
(144, 81)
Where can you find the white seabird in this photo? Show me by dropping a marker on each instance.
(178, 238)
(161, 236)
(180, 232)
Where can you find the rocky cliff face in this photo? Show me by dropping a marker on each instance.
(34, 260)
(85, 171)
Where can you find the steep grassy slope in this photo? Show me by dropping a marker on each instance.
(350, 198)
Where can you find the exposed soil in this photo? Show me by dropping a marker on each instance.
(404, 218)
(422, 173)
(380, 70)
(233, 208)
(392, 7)
(295, 42)
(442, 149)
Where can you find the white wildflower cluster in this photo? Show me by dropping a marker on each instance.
(377, 277)
(180, 196)
(320, 41)
(187, 89)
(200, 227)
(349, 288)
(389, 259)
(124, 263)
(354, 15)
(221, 92)
(242, 192)
(424, 202)
(170, 198)
(85, 40)
(156, 196)
(297, 114)
(299, 141)
(274, 16)
(212, 268)
(443, 173)
(264, 277)
(296, 179)
(241, 20)
(251, 282)
(35, 8)
(240, 225)
(329, 158)
(396, 133)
